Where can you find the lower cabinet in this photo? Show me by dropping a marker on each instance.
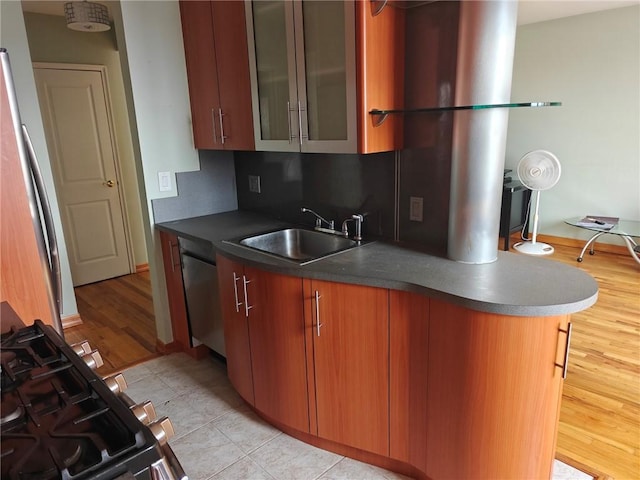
(175, 290)
(408, 382)
(331, 379)
(232, 283)
(494, 391)
(350, 331)
(276, 335)
(264, 335)
(409, 359)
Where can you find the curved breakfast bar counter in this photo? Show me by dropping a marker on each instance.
(423, 365)
(515, 284)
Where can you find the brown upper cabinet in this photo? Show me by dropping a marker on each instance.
(218, 73)
(318, 68)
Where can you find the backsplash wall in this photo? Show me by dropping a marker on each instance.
(335, 186)
(212, 189)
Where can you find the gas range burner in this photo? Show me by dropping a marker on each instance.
(7, 358)
(11, 410)
(60, 420)
(54, 461)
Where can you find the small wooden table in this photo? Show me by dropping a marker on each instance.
(625, 229)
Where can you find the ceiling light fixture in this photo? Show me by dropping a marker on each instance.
(87, 16)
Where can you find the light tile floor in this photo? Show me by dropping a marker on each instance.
(218, 437)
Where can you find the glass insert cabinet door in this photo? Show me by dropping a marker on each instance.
(302, 61)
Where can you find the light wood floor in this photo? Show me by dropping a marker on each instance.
(118, 321)
(600, 413)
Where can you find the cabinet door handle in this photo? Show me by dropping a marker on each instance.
(300, 110)
(567, 347)
(247, 307)
(318, 324)
(289, 110)
(213, 125)
(173, 262)
(235, 291)
(222, 135)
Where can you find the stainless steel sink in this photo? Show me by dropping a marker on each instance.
(297, 244)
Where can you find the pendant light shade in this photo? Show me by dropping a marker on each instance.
(87, 16)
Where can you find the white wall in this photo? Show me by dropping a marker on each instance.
(149, 39)
(591, 63)
(153, 36)
(152, 48)
(13, 37)
(51, 41)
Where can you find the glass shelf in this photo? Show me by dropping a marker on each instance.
(382, 114)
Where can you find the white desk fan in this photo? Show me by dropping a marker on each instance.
(538, 170)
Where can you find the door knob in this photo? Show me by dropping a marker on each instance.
(109, 183)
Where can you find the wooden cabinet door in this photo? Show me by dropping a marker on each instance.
(276, 332)
(217, 60)
(175, 290)
(380, 63)
(231, 279)
(409, 358)
(494, 393)
(351, 354)
(234, 82)
(200, 57)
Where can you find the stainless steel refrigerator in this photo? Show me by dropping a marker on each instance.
(30, 280)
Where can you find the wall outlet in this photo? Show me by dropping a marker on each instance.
(254, 183)
(415, 209)
(164, 181)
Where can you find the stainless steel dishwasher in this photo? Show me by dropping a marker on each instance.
(200, 276)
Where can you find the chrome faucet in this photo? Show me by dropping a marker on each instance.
(319, 220)
(357, 218)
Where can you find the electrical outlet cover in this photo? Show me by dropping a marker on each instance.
(415, 209)
(254, 183)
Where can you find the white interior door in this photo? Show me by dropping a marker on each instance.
(77, 122)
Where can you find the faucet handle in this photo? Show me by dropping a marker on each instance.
(358, 218)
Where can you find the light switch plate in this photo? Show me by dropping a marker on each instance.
(415, 209)
(254, 183)
(164, 181)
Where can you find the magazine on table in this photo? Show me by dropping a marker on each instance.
(598, 221)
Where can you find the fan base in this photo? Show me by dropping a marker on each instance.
(531, 248)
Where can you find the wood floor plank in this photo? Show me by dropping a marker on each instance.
(118, 320)
(600, 410)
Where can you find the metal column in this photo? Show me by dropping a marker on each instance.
(486, 42)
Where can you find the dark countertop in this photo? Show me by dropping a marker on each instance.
(515, 284)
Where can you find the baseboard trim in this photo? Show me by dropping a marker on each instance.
(167, 348)
(576, 243)
(199, 352)
(143, 267)
(71, 321)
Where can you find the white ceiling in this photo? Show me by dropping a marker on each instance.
(529, 11)
(532, 11)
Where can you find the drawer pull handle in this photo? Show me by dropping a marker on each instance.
(223, 137)
(213, 125)
(289, 110)
(247, 307)
(567, 347)
(173, 262)
(301, 136)
(235, 291)
(318, 324)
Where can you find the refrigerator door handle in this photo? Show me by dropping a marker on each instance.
(54, 256)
